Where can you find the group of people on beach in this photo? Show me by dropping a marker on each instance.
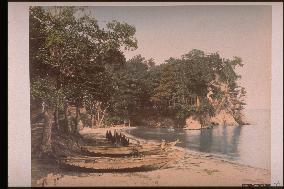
(117, 139)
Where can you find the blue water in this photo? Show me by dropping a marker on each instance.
(248, 144)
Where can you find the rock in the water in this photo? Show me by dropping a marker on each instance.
(243, 120)
(221, 118)
(193, 124)
(224, 118)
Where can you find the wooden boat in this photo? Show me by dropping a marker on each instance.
(133, 150)
(106, 164)
(109, 151)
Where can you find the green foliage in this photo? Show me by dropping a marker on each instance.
(73, 60)
(196, 74)
(206, 108)
(114, 120)
(130, 87)
(73, 54)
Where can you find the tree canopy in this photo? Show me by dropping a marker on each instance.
(75, 62)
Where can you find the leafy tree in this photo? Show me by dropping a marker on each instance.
(74, 62)
(71, 59)
(130, 85)
(205, 77)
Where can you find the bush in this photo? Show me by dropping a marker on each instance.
(113, 120)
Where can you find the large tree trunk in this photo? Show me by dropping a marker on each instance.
(67, 119)
(56, 118)
(103, 116)
(56, 112)
(98, 117)
(77, 119)
(46, 135)
(102, 119)
(92, 120)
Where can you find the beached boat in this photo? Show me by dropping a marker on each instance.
(109, 151)
(107, 164)
(132, 150)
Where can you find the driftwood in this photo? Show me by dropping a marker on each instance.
(167, 145)
(50, 179)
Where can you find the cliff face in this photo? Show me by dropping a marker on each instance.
(192, 123)
(223, 117)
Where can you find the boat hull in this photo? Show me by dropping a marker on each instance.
(87, 164)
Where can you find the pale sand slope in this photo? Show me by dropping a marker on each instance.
(190, 169)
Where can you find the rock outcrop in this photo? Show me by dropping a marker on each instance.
(223, 117)
(192, 124)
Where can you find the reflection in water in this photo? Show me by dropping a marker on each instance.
(235, 139)
(205, 140)
(224, 140)
(245, 144)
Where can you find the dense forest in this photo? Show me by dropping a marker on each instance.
(79, 76)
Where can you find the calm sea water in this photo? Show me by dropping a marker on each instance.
(248, 144)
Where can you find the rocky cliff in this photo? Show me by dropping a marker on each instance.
(223, 117)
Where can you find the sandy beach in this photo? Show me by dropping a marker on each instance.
(188, 169)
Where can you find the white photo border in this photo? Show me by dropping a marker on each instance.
(19, 132)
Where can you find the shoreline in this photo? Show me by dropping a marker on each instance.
(203, 154)
(189, 169)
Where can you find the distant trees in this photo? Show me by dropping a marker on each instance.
(131, 90)
(205, 77)
(196, 84)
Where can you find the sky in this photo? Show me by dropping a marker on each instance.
(171, 31)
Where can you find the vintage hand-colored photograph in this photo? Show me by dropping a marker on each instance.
(150, 95)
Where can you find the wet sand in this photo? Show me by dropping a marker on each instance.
(189, 169)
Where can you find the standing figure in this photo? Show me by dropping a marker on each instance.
(110, 137)
(107, 135)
